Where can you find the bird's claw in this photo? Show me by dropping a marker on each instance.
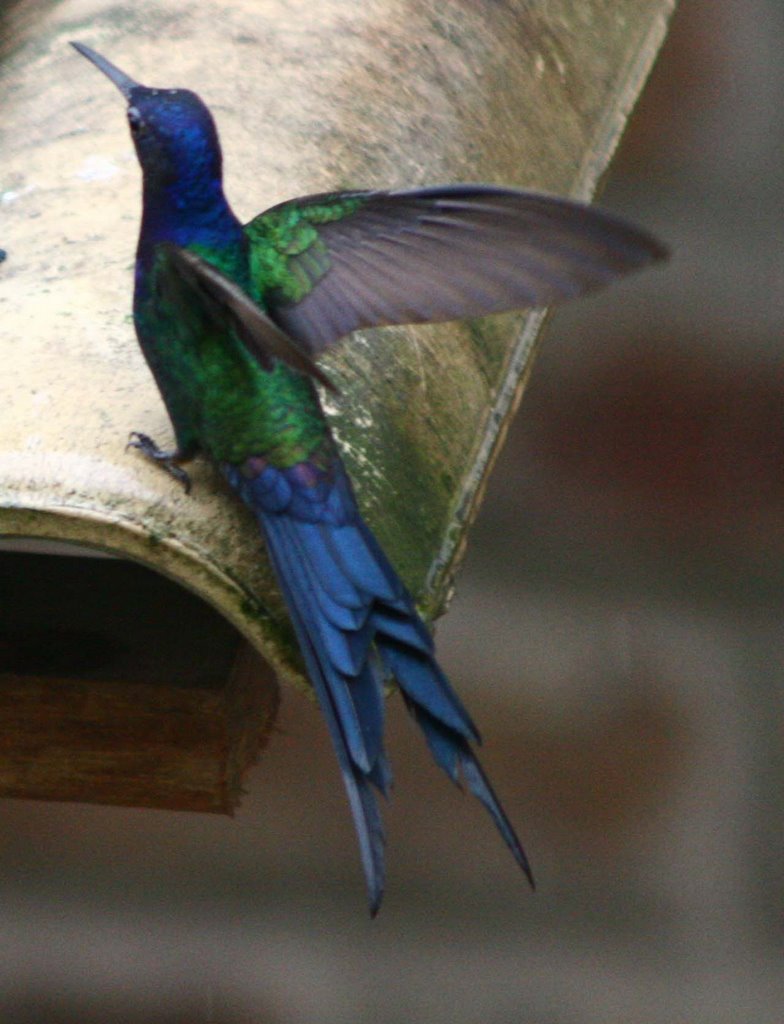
(166, 460)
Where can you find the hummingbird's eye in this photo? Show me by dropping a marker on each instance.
(134, 119)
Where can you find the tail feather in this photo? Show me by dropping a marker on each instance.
(355, 623)
(455, 756)
(329, 570)
(426, 686)
(344, 616)
(368, 698)
(401, 626)
(282, 538)
(362, 801)
(363, 567)
(347, 645)
(339, 615)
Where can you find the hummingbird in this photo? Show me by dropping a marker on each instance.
(231, 318)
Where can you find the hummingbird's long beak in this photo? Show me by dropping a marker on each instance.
(123, 82)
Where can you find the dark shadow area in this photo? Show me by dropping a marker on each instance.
(108, 619)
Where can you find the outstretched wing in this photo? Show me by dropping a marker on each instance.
(329, 264)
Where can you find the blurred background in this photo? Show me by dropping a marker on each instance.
(616, 631)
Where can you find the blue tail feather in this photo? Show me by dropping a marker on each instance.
(455, 756)
(400, 626)
(357, 561)
(339, 615)
(329, 571)
(423, 682)
(362, 800)
(333, 639)
(368, 698)
(356, 623)
(281, 535)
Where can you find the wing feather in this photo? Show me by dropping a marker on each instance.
(330, 264)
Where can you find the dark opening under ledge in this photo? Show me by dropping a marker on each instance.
(118, 686)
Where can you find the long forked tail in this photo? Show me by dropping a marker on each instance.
(356, 624)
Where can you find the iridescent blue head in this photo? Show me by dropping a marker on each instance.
(173, 131)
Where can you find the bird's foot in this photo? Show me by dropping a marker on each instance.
(166, 460)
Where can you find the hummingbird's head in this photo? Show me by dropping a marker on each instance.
(174, 134)
(172, 129)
